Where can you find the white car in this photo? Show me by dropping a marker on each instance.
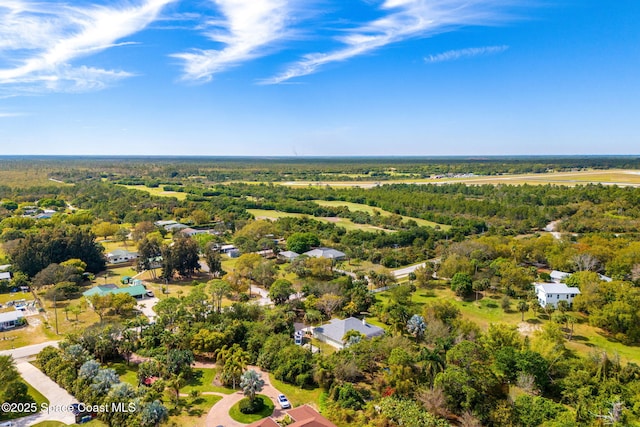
(283, 401)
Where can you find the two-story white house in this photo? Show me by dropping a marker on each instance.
(552, 293)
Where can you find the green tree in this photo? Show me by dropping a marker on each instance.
(251, 384)
(280, 290)
(461, 284)
(301, 242)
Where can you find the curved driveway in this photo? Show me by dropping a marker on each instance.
(219, 413)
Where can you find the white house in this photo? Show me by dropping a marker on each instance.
(558, 276)
(333, 332)
(552, 293)
(10, 319)
(120, 255)
(5, 275)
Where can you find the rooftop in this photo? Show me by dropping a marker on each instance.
(337, 328)
(557, 288)
(325, 253)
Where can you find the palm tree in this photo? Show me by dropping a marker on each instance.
(251, 383)
(416, 326)
(523, 306)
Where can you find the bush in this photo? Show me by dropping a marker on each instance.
(248, 407)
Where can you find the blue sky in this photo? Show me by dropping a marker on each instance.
(319, 77)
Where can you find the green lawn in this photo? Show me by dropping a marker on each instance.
(158, 191)
(4, 298)
(354, 207)
(203, 381)
(296, 395)
(35, 394)
(193, 411)
(235, 413)
(488, 310)
(127, 374)
(342, 222)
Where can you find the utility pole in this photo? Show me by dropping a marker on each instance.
(55, 308)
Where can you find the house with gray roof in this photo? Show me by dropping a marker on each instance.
(136, 291)
(330, 253)
(333, 332)
(288, 255)
(11, 319)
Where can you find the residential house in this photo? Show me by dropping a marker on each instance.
(302, 416)
(11, 319)
(136, 291)
(330, 253)
(5, 275)
(288, 255)
(119, 256)
(175, 227)
(164, 223)
(192, 231)
(558, 276)
(333, 332)
(552, 293)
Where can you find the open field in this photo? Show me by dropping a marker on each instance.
(619, 177)
(371, 209)
(158, 191)
(26, 177)
(487, 310)
(342, 222)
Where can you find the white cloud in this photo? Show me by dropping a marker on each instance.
(248, 30)
(404, 19)
(39, 42)
(5, 115)
(452, 55)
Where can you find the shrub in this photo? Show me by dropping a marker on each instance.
(246, 406)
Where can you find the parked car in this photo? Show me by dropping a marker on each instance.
(284, 402)
(150, 294)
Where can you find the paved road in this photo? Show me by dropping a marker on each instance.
(28, 351)
(406, 270)
(219, 413)
(59, 399)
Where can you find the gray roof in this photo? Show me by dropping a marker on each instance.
(559, 275)
(557, 288)
(121, 252)
(289, 254)
(336, 328)
(11, 316)
(325, 253)
(5, 275)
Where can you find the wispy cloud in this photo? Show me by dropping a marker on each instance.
(452, 55)
(249, 29)
(402, 20)
(6, 115)
(39, 42)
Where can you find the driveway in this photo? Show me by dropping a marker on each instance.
(28, 350)
(59, 399)
(146, 307)
(219, 413)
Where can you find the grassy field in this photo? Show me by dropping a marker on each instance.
(342, 222)
(296, 395)
(26, 177)
(158, 191)
(488, 310)
(202, 381)
(193, 411)
(609, 177)
(354, 207)
(4, 298)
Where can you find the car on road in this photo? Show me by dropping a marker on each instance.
(284, 402)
